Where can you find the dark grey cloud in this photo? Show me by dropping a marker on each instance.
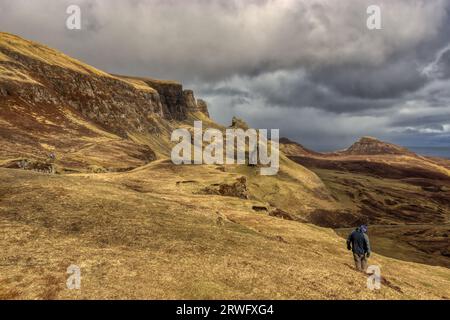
(310, 68)
(391, 80)
(430, 121)
(298, 89)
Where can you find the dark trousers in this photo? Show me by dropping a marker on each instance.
(360, 261)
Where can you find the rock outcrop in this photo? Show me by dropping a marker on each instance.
(237, 123)
(176, 102)
(194, 105)
(171, 97)
(236, 189)
(202, 107)
(25, 164)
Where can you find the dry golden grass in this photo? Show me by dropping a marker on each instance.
(141, 235)
(11, 74)
(4, 58)
(141, 80)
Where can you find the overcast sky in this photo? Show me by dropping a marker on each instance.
(310, 68)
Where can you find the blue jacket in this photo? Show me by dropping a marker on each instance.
(358, 242)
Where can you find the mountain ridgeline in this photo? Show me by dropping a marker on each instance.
(372, 146)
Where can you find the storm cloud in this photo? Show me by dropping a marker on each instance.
(310, 68)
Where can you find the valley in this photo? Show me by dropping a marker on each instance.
(402, 197)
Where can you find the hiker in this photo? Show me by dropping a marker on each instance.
(52, 156)
(358, 242)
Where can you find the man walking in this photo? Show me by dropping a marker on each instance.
(358, 242)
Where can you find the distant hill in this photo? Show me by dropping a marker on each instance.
(372, 146)
(292, 148)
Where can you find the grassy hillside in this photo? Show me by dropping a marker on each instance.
(141, 235)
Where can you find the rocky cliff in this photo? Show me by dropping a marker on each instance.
(175, 101)
(34, 74)
(50, 102)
